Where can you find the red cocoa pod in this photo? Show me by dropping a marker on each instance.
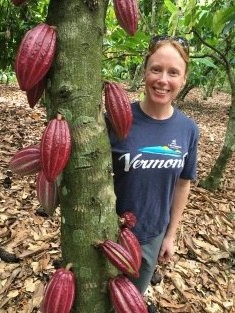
(47, 193)
(59, 292)
(127, 219)
(35, 55)
(35, 93)
(130, 242)
(125, 297)
(26, 161)
(55, 147)
(120, 257)
(118, 108)
(18, 2)
(126, 12)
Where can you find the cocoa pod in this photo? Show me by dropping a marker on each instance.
(47, 193)
(118, 108)
(26, 161)
(59, 292)
(120, 258)
(35, 55)
(126, 12)
(18, 2)
(35, 93)
(129, 241)
(127, 219)
(55, 147)
(125, 297)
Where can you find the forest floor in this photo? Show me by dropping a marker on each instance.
(201, 277)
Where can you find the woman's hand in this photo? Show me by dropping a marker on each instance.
(167, 250)
(179, 202)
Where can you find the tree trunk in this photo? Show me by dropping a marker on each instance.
(86, 190)
(212, 182)
(138, 77)
(184, 92)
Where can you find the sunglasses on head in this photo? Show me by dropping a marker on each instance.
(182, 41)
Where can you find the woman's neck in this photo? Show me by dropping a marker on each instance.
(157, 112)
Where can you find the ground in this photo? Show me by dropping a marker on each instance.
(199, 279)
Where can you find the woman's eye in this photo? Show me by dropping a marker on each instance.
(156, 70)
(173, 72)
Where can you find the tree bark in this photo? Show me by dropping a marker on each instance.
(212, 181)
(86, 191)
(184, 92)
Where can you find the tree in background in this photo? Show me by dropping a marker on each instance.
(217, 44)
(209, 27)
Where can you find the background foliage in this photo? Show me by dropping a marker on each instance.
(123, 55)
(14, 22)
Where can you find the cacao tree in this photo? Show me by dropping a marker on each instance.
(74, 90)
(86, 193)
(223, 24)
(212, 181)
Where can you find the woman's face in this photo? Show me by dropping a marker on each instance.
(164, 75)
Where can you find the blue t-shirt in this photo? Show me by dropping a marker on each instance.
(147, 165)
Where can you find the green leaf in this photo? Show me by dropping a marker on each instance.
(170, 6)
(229, 26)
(221, 18)
(207, 62)
(174, 23)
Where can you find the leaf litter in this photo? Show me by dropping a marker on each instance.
(201, 276)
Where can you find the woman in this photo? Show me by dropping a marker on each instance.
(154, 165)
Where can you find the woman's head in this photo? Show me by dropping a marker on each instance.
(165, 70)
(179, 43)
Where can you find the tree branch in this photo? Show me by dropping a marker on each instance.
(212, 56)
(222, 58)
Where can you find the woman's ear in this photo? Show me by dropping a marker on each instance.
(184, 81)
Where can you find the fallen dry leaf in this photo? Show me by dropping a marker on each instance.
(200, 279)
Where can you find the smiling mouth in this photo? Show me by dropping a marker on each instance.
(160, 91)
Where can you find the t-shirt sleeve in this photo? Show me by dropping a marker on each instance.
(190, 166)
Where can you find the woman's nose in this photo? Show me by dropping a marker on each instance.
(162, 77)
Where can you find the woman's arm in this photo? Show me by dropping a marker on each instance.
(180, 198)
